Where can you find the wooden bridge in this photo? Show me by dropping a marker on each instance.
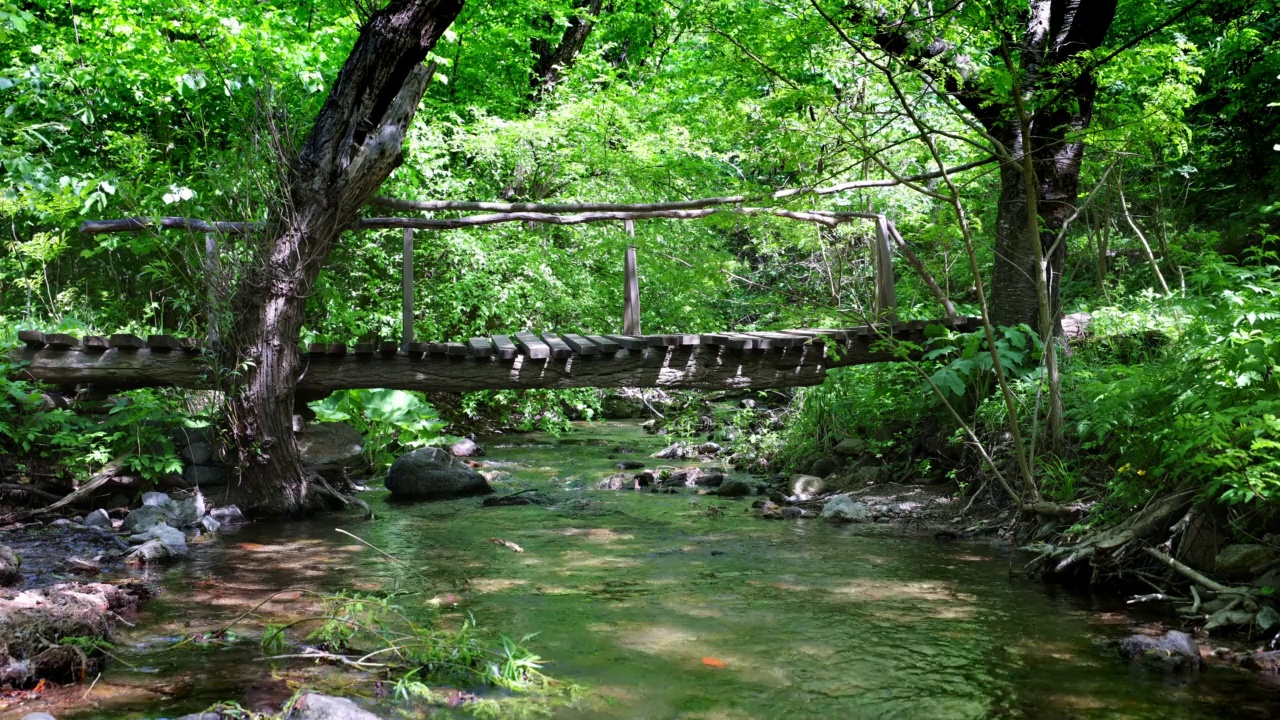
(751, 360)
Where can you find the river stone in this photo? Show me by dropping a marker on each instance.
(227, 515)
(209, 524)
(330, 444)
(734, 487)
(1267, 662)
(770, 510)
(466, 447)
(806, 487)
(823, 467)
(197, 453)
(617, 481)
(433, 474)
(711, 479)
(1173, 652)
(314, 706)
(143, 519)
(850, 447)
(871, 475)
(156, 499)
(99, 519)
(628, 464)
(709, 449)
(843, 508)
(1241, 561)
(151, 551)
(676, 451)
(38, 716)
(9, 564)
(170, 536)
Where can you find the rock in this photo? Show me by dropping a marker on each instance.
(850, 447)
(823, 467)
(770, 510)
(227, 515)
(688, 477)
(433, 474)
(628, 464)
(676, 451)
(711, 479)
(1267, 618)
(1267, 662)
(9, 565)
(1173, 652)
(806, 487)
(144, 518)
(871, 475)
(792, 513)
(197, 453)
(205, 475)
(156, 499)
(99, 519)
(617, 481)
(172, 537)
(1240, 561)
(151, 551)
(209, 525)
(1229, 618)
(709, 449)
(466, 447)
(734, 487)
(314, 706)
(646, 478)
(38, 716)
(330, 444)
(653, 426)
(843, 508)
(1270, 578)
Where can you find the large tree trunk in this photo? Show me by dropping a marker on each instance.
(551, 62)
(353, 146)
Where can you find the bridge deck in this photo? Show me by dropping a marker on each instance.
(752, 360)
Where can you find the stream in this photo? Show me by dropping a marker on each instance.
(660, 606)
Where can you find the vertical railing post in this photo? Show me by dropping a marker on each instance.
(630, 295)
(211, 280)
(886, 298)
(406, 279)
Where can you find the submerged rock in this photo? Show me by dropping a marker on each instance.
(618, 481)
(628, 464)
(734, 487)
(154, 551)
(844, 509)
(227, 515)
(675, 451)
(1241, 561)
(433, 474)
(99, 519)
(330, 444)
(314, 706)
(1172, 652)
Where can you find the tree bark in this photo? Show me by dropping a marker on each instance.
(551, 63)
(353, 146)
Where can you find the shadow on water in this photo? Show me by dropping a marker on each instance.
(661, 608)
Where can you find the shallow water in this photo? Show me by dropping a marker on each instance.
(661, 607)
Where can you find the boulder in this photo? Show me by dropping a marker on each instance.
(144, 518)
(806, 487)
(871, 475)
(197, 453)
(433, 474)
(206, 475)
(711, 479)
(314, 706)
(466, 447)
(844, 509)
(793, 513)
(156, 499)
(1266, 662)
(170, 536)
(850, 447)
(38, 716)
(688, 477)
(628, 464)
(646, 478)
(734, 487)
(1242, 561)
(770, 510)
(99, 519)
(227, 515)
(1172, 652)
(617, 481)
(330, 444)
(676, 451)
(151, 551)
(209, 525)
(823, 467)
(9, 564)
(708, 449)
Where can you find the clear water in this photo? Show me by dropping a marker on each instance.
(660, 608)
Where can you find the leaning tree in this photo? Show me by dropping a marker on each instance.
(354, 144)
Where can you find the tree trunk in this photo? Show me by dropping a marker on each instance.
(353, 146)
(551, 62)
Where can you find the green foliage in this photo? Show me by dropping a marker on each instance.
(391, 421)
(548, 411)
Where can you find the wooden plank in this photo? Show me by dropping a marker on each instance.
(457, 349)
(163, 343)
(190, 346)
(630, 294)
(661, 340)
(751, 342)
(388, 347)
(438, 348)
(31, 338)
(629, 342)
(689, 340)
(317, 349)
(781, 340)
(61, 341)
(558, 347)
(338, 349)
(96, 344)
(417, 349)
(723, 340)
(406, 282)
(504, 347)
(480, 347)
(580, 345)
(607, 346)
(531, 346)
(126, 342)
(364, 349)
